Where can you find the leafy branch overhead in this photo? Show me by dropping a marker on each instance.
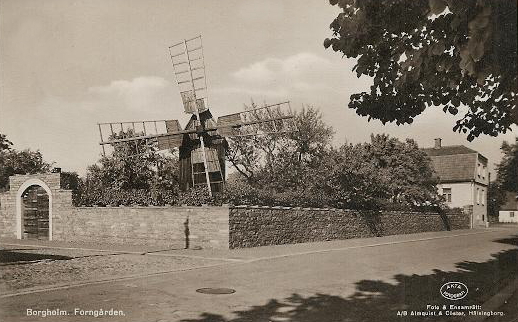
(460, 55)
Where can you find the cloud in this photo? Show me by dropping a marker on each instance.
(137, 84)
(304, 75)
(302, 68)
(140, 93)
(60, 125)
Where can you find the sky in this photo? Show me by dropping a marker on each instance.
(66, 65)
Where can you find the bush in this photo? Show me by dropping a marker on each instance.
(112, 197)
(196, 197)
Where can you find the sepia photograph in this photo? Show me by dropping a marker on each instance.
(258, 161)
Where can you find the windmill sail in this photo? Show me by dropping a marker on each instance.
(171, 140)
(270, 119)
(189, 69)
(144, 135)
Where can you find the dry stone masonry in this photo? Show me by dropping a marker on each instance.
(260, 226)
(212, 227)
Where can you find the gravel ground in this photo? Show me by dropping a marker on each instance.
(26, 268)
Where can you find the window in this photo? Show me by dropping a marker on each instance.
(482, 195)
(478, 170)
(446, 193)
(477, 196)
(511, 214)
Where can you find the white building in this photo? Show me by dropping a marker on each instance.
(509, 211)
(463, 178)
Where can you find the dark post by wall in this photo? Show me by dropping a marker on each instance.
(260, 226)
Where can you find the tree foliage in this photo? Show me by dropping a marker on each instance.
(128, 176)
(305, 170)
(14, 162)
(495, 199)
(507, 169)
(403, 169)
(420, 55)
(377, 174)
(506, 178)
(5, 144)
(280, 161)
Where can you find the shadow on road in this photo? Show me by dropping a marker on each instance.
(10, 257)
(376, 300)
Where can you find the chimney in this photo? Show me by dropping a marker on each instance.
(437, 143)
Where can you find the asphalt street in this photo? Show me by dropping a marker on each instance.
(353, 280)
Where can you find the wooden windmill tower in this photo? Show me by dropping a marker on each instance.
(201, 143)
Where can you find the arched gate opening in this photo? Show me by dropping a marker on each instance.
(35, 213)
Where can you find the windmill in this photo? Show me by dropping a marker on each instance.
(201, 143)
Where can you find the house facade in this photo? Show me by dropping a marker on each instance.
(463, 178)
(509, 210)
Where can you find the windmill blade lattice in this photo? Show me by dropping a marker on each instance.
(269, 119)
(144, 135)
(189, 69)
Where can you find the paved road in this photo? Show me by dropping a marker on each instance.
(355, 280)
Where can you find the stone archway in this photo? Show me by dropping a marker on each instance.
(33, 212)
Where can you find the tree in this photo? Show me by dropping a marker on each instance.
(419, 54)
(128, 177)
(19, 162)
(495, 199)
(279, 161)
(5, 144)
(506, 178)
(378, 174)
(250, 155)
(404, 169)
(348, 181)
(507, 169)
(313, 136)
(71, 181)
(305, 170)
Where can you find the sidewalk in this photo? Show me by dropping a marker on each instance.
(250, 254)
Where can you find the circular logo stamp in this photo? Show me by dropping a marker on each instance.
(454, 291)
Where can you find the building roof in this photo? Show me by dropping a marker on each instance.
(455, 168)
(449, 150)
(511, 201)
(454, 163)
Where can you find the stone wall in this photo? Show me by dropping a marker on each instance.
(213, 227)
(260, 226)
(7, 216)
(159, 226)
